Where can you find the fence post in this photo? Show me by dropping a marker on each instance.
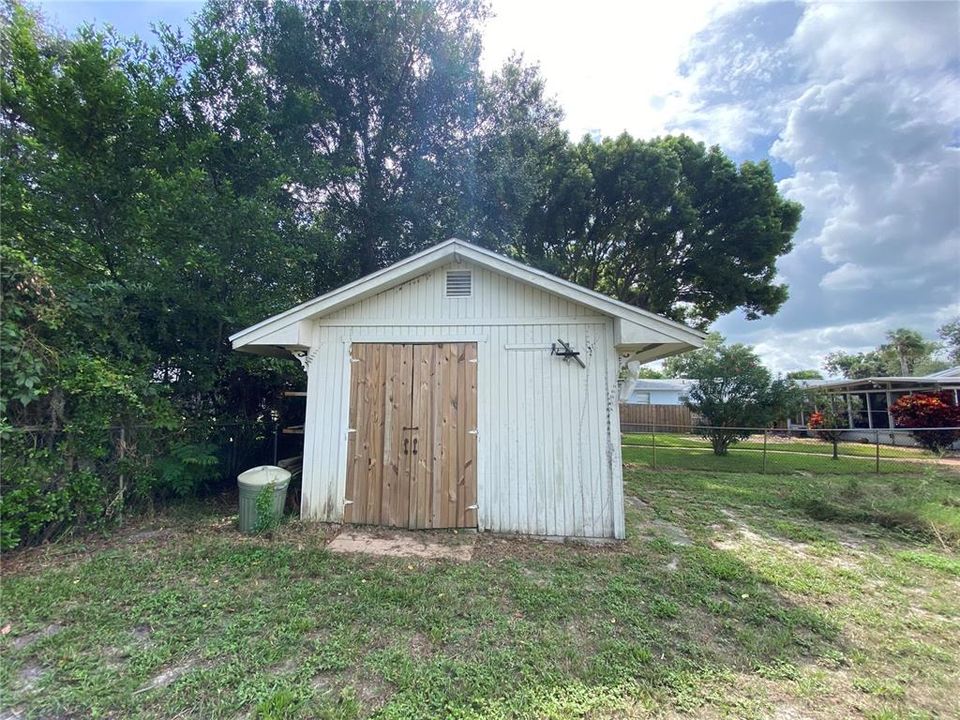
(275, 435)
(121, 453)
(877, 443)
(764, 468)
(653, 434)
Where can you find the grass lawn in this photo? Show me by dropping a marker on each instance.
(736, 595)
(781, 444)
(690, 452)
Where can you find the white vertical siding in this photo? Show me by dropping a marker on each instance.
(548, 460)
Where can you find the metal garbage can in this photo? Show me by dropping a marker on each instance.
(251, 483)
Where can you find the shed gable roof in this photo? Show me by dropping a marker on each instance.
(639, 328)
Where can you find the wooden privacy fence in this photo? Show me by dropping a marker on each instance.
(676, 417)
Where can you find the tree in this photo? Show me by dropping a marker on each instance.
(925, 414)
(733, 393)
(905, 350)
(665, 224)
(805, 375)
(828, 423)
(950, 334)
(855, 365)
(905, 353)
(386, 93)
(644, 373)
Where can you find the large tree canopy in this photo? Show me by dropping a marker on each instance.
(666, 224)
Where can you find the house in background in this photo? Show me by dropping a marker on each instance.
(666, 391)
(648, 404)
(461, 388)
(866, 401)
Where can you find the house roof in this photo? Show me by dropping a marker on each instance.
(675, 336)
(679, 384)
(949, 378)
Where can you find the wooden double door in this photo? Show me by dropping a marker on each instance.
(412, 447)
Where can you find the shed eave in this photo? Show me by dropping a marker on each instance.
(453, 249)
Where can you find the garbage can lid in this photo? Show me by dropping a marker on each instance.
(263, 475)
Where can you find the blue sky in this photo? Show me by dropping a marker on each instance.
(856, 105)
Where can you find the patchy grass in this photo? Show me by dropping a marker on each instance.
(743, 596)
(783, 456)
(780, 443)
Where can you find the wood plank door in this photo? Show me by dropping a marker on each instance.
(378, 471)
(413, 443)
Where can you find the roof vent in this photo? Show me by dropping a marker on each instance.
(459, 283)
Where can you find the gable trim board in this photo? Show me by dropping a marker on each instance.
(636, 329)
(547, 431)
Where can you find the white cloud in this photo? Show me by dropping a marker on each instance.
(613, 65)
(866, 39)
(848, 276)
(868, 121)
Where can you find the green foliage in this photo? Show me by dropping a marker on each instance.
(734, 393)
(645, 373)
(805, 375)
(905, 353)
(267, 518)
(949, 333)
(186, 466)
(45, 492)
(30, 312)
(609, 214)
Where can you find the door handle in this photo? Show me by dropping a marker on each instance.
(415, 446)
(406, 446)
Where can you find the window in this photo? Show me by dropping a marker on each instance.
(459, 283)
(640, 397)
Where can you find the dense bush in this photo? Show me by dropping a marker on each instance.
(734, 394)
(924, 413)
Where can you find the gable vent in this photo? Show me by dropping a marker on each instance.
(459, 283)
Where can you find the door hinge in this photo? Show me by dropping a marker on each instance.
(472, 507)
(472, 360)
(472, 432)
(348, 502)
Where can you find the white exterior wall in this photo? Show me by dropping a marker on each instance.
(548, 451)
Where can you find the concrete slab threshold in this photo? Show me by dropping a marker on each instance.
(417, 544)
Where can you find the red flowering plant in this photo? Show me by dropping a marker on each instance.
(828, 424)
(934, 418)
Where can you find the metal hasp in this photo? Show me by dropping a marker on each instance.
(566, 352)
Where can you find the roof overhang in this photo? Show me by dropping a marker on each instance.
(928, 383)
(643, 335)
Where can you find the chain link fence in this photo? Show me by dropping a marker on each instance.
(790, 450)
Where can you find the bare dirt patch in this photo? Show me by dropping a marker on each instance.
(400, 544)
(30, 675)
(168, 675)
(48, 631)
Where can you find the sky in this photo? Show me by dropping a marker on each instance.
(855, 104)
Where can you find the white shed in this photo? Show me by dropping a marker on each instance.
(443, 391)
